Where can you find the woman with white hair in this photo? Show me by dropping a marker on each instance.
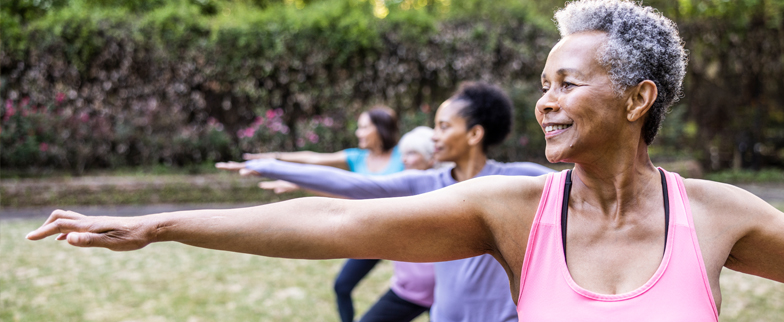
(411, 290)
(614, 239)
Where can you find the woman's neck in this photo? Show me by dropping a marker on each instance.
(469, 166)
(377, 151)
(617, 182)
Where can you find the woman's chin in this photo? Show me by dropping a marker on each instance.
(555, 155)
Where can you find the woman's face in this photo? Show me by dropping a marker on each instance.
(450, 136)
(579, 112)
(414, 160)
(366, 133)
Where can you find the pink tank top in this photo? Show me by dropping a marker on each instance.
(678, 291)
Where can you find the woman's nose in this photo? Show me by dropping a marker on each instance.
(548, 103)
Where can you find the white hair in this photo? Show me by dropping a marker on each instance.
(642, 45)
(419, 140)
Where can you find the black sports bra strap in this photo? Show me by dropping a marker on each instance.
(666, 207)
(565, 208)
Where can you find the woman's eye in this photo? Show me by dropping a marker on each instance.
(544, 90)
(568, 85)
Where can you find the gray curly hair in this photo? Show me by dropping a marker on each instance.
(642, 45)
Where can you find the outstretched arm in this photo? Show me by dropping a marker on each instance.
(336, 181)
(443, 225)
(335, 159)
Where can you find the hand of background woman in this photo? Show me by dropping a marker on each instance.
(115, 233)
(278, 186)
(236, 166)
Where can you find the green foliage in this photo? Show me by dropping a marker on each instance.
(747, 176)
(164, 75)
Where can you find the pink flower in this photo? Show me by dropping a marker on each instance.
(25, 101)
(270, 114)
(300, 142)
(43, 147)
(9, 110)
(84, 117)
(249, 132)
(59, 98)
(212, 121)
(284, 129)
(313, 137)
(278, 112)
(240, 134)
(328, 122)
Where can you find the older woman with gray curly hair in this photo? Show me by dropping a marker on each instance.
(614, 239)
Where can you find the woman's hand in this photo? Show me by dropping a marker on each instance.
(254, 156)
(115, 233)
(236, 166)
(279, 186)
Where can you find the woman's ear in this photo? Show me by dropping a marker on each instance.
(476, 134)
(640, 100)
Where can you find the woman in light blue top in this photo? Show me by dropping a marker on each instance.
(377, 133)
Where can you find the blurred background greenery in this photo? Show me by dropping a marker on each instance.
(106, 84)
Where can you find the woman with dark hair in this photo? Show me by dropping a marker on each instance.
(377, 133)
(614, 239)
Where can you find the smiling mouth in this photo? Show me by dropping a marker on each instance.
(557, 127)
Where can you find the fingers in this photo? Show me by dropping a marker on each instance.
(86, 240)
(59, 213)
(230, 166)
(248, 173)
(58, 226)
(60, 221)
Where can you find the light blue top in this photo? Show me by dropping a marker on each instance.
(467, 290)
(357, 162)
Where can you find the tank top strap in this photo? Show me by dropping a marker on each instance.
(548, 213)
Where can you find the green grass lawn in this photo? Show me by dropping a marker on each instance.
(52, 281)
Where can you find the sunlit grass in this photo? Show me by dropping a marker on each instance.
(52, 281)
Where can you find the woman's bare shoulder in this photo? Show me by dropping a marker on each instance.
(719, 197)
(520, 188)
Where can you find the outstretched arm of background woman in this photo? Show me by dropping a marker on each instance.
(335, 159)
(442, 225)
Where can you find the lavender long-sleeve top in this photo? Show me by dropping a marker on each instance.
(471, 289)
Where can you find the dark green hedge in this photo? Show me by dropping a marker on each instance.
(106, 83)
(96, 85)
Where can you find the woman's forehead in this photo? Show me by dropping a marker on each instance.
(574, 54)
(450, 109)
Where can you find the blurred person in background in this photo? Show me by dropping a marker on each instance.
(411, 291)
(378, 154)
